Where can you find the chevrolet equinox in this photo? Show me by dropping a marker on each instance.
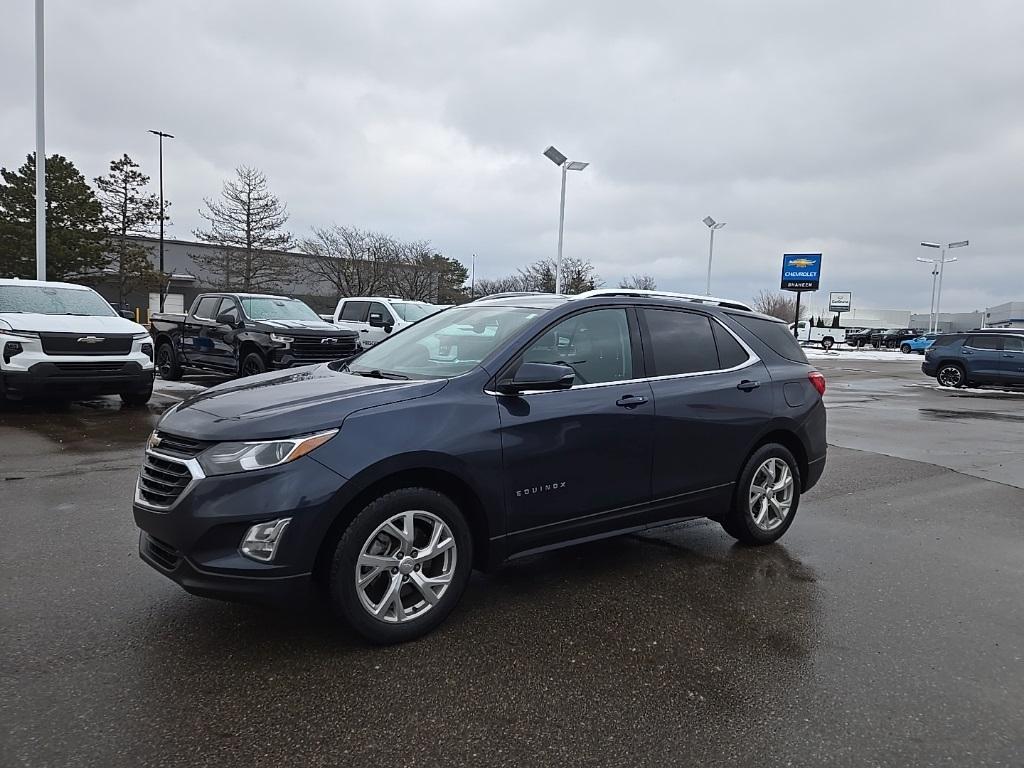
(493, 430)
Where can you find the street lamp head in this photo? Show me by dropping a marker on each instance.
(931, 245)
(709, 221)
(927, 261)
(959, 244)
(576, 165)
(719, 225)
(555, 156)
(161, 134)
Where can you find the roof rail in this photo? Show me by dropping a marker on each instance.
(512, 294)
(640, 293)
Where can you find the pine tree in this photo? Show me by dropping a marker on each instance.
(246, 222)
(129, 210)
(74, 225)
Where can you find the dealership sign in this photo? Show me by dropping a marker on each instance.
(839, 301)
(801, 271)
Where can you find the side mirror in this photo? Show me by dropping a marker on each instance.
(127, 314)
(543, 377)
(376, 320)
(226, 319)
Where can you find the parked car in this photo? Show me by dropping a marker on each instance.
(489, 431)
(376, 317)
(977, 357)
(919, 345)
(65, 340)
(242, 334)
(860, 337)
(811, 334)
(890, 338)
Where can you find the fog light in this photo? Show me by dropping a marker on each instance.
(12, 348)
(261, 541)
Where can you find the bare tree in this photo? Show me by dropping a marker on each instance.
(128, 210)
(350, 261)
(247, 223)
(578, 275)
(778, 304)
(639, 283)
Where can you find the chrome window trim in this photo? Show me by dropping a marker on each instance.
(194, 469)
(752, 359)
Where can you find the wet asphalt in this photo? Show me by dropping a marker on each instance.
(886, 628)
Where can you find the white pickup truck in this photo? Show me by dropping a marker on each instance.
(825, 337)
(66, 341)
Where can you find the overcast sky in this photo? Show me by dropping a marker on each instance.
(856, 129)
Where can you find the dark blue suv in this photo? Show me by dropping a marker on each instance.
(489, 431)
(977, 357)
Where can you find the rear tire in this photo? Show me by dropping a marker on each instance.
(827, 343)
(167, 362)
(766, 497)
(391, 604)
(951, 375)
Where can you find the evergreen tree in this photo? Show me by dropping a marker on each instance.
(74, 223)
(246, 222)
(129, 210)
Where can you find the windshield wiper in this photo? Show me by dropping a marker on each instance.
(379, 374)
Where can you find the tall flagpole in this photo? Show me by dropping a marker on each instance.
(40, 151)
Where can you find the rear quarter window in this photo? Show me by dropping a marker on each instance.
(773, 334)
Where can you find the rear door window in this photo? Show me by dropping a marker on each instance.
(680, 342)
(1013, 343)
(355, 311)
(985, 342)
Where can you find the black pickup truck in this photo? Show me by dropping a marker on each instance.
(244, 334)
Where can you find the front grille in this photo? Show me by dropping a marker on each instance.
(162, 553)
(312, 349)
(175, 445)
(85, 344)
(162, 481)
(87, 368)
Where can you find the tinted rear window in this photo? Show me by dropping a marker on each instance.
(984, 342)
(774, 334)
(680, 342)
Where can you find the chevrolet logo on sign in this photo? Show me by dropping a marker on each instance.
(800, 263)
(89, 339)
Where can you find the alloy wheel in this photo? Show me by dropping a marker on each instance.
(771, 494)
(163, 362)
(405, 566)
(951, 376)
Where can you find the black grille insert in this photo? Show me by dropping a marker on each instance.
(162, 481)
(160, 552)
(319, 349)
(180, 446)
(85, 343)
(87, 368)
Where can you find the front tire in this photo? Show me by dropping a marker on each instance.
(951, 375)
(905, 349)
(827, 343)
(137, 399)
(766, 497)
(401, 565)
(167, 362)
(253, 364)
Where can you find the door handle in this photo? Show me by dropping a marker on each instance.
(630, 401)
(363, 330)
(967, 352)
(747, 385)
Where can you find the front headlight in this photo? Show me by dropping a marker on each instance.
(141, 337)
(279, 339)
(22, 334)
(228, 458)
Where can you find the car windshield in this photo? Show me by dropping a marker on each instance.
(411, 311)
(443, 345)
(53, 300)
(267, 308)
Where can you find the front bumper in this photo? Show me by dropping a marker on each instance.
(195, 541)
(79, 379)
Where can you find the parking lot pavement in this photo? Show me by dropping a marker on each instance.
(886, 628)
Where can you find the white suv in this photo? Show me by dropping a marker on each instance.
(66, 340)
(374, 317)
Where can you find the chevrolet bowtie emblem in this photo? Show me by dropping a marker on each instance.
(89, 339)
(328, 341)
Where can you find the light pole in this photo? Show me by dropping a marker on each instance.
(935, 274)
(40, 151)
(712, 225)
(942, 262)
(160, 137)
(566, 164)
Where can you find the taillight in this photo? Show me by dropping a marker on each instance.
(817, 380)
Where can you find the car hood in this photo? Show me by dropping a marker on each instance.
(286, 403)
(315, 327)
(32, 321)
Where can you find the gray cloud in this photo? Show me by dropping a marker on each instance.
(857, 129)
